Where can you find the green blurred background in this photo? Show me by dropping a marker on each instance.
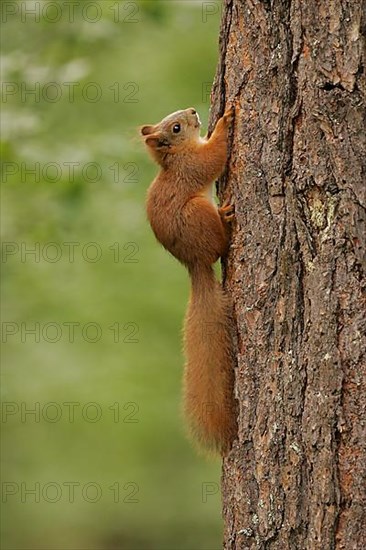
(106, 310)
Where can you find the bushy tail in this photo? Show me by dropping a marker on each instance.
(209, 371)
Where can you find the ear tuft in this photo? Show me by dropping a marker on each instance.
(156, 142)
(146, 130)
(152, 141)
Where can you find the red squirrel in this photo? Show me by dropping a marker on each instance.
(188, 224)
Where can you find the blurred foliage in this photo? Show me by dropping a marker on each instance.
(74, 171)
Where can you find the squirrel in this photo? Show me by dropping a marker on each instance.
(186, 221)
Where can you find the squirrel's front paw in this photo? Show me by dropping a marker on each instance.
(229, 115)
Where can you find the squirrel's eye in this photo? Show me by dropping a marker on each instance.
(176, 128)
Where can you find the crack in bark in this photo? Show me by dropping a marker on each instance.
(329, 86)
(295, 99)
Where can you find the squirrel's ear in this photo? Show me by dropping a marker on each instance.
(156, 142)
(146, 130)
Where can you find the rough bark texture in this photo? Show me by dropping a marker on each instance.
(296, 73)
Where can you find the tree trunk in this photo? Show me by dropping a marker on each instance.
(296, 74)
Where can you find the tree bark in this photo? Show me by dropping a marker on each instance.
(295, 71)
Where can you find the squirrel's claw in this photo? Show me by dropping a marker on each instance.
(227, 211)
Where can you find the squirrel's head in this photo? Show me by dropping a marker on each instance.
(172, 134)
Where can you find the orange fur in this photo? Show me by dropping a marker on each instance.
(188, 224)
